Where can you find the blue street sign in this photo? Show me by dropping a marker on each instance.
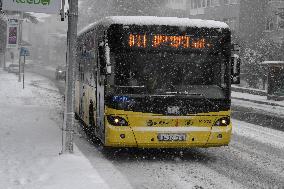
(24, 52)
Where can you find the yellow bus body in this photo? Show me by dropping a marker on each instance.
(198, 128)
(96, 82)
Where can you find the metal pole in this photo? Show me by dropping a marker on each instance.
(5, 58)
(68, 125)
(20, 42)
(24, 71)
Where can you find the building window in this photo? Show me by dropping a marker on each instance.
(234, 1)
(232, 22)
(280, 23)
(269, 25)
(195, 4)
(198, 3)
(231, 2)
(203, 3)
(176, 4)
(208, 3)
(215, 3)
(270, 1)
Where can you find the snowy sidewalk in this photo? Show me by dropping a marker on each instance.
(256, 98)
(259, 103)
(30, 139)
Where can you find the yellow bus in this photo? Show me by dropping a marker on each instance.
(156, 82)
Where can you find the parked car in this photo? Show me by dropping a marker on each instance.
(13, 68)
(60, 73)
(7, 66)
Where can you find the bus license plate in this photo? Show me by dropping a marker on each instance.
(171, 137)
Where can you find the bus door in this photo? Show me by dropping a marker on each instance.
(92, 97)
(100, 93)
(80, 88)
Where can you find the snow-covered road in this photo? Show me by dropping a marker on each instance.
(254, 159)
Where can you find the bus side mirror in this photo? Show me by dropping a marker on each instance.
(107, 58)
(235, 69)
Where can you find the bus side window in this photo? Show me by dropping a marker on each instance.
(102, 61)
(81, 70)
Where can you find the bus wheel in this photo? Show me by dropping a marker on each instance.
(110, 151)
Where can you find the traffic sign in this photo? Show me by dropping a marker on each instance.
(24, 52)
(40, 6)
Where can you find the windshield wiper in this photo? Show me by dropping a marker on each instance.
(133, 86)
(193, 94)
(171, 92)
(202, 95)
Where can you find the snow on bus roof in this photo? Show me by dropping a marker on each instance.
(154, 20)
(169, 21)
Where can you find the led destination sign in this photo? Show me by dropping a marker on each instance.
(170, 41)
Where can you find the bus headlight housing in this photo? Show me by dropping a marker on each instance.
(117, 120)
(224, 121)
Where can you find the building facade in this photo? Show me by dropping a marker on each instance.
(274, 26)
(175, 8)
(249, 20)
(48, 39)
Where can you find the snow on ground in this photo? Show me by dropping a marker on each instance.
(256, 98)
(263, 105)
(30, 139)
(261, 134)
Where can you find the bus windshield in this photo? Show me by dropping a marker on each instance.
(171, 72)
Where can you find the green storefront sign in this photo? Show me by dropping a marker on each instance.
(35, 2)
(38, 6)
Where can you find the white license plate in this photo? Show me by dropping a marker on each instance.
(171, 137)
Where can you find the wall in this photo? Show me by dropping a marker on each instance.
(252, 21)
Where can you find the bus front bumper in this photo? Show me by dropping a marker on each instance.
(149, 137)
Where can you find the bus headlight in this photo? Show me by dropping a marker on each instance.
(117, 121)
(224, 121)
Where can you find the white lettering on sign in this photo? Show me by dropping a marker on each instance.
(40, 6)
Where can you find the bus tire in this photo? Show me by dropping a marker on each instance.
(108, 150)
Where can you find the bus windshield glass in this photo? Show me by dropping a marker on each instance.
(170, 73)
(170, 60)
